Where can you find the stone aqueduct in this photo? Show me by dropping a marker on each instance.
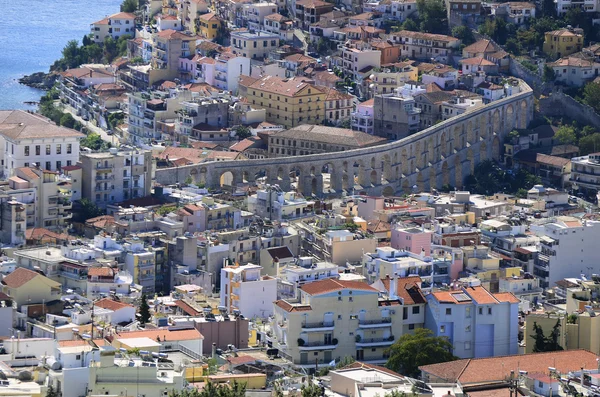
(442, 154)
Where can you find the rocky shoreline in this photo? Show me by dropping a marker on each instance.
(40, 80)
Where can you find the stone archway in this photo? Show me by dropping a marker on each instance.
(483, 125)
(496, 148)
(483, 152)
(226, 179)
(456, 138)
(374, 178)
(388, 191)
(404, 160)
(471, 160)
(510, 117)
(445, 174)
(470, 133)
(496, 121)
(523, 111)
(332, 180)
(386, 167)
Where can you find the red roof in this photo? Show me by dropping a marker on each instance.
(408, 289)
(110, 304)
(163, 334)
(19, 277)
(186, 308)
(331, 285)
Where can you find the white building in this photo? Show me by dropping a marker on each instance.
(27, 138)
(562, 6)
(362, 118)
(306, 270)
(583, 172)
(254, 14)
(228, 68)
(476, 322)
(115, 26)
(358, 57)
(567, 249)
(276, 205)
(399, 263)
(243, 288)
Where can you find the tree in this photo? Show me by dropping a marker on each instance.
(411, 25)
(432, 14)
(67, 121)
(234, 389)
(92, 141)
(548, 74)
(129, 6)
(323, 45)
(513, 46)
(311, 390)
(421, 348)
(543, 343)
(50, 392)
(71, 53)
(88, 210)
(548, 8)
(144, 312)
(591, 95)
(242, 132)
(464, 33)
(565, 134)
(589, 144)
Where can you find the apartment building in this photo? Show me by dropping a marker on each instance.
(563, 6)
(53, 196)
(392, 76)
(243, 288)
(338, 106)
(362, 326)
(514, 12)
(116, 176)
(13, 214)
(141, 264)
(567, 249)
(276, 205)
(584, 172)
(395, 116)
(562, 42)
(289, 102)
(362, 119)
(356, 57)
(202, 114)
(167, 47)
(209, 25)
(310, 11)
(28, 139)
(396, 10)
(146, 112)
(27, 287)
(228, 69)
(336, 246)
(384, 261)
(255, 45)
(477, 322)
(254, 14)
(279, 25)
(115, 26)
(417, 45)
(311, 139)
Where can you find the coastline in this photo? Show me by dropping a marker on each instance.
(39, 80)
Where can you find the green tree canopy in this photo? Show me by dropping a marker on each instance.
(234, 389)
(144, 310)
(129, 6)
(589, 144)
(242, 132)
(464, 33)
(546, 343)
(92, 141)
(548, 75)
(414, 350)
(311, 390)
(432, 14)
(88, 210)
(591, 95)
(67, 120)
(566, 134)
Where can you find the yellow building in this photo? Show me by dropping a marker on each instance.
(334, 319)
(209, 25)
(289, 102)
(563, 42)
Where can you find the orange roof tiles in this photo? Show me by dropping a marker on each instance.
(163, 333)
(331, 285)
(19, 277)
(408, 289)
(288, 307)
(480, 295)
(103, 271)
(110, 304)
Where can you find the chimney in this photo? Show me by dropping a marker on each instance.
(393, 288)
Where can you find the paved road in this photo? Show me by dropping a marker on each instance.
(113, 139)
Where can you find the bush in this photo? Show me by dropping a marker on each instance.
(301, 342)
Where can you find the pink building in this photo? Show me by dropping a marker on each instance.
(412, 239)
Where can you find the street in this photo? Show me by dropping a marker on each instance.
(113, 139)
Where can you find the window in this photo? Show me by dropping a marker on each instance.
(442, 329)
(37, 150)
(481, 310)
(468, 345)
(58, 165)
(78, 357)
(448, 312)
(48, 166)
(489, 310)
(26, 150)
(415, 310)
(48, 149)
(353, 317)
(468, 328)
(411, 326)
(58, 148)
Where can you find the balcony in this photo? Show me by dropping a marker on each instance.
(105, 177)
(373, 342)
(319, 345)
(104, 166)
(235, 284)
(379, 323)
(318, 326)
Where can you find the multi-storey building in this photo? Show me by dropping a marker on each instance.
(254, 14)
(310, 11)
(116, 176)
(567, 249)
(417, 45)
(336, 246)
(563, 6)
(289, 102)
(201, 114)
(13, 214)
(396, 10)
(392, 76)
(140, 263)
(395, 116)
(362, 119)
(562, 42)
(208, 25)
(390, 261)
(358, 56)
(279, 25)
(575, 70)
(28, 139)
(338, 106)
(585, 172)
(243, 288)
(228, 69)
(145, 114)
(476, 322)
(276, 205)
(53, 196)
(251, 45)
(514, 11)
(310, 333)
(167, 47)
(115, 26)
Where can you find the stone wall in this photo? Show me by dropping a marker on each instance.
(558, 104)
(442, 154)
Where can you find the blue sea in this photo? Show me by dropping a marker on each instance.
(32, 36)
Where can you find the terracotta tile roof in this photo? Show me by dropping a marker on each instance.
(424, 36)
(370, 102)
(209, 16)
(101, 271)
(276, 17)
(481, 46)
(171, 34)
(18, 124)
(573, 61)
(480, 370)
(110, 304)
(551, 160)
(239, 360)
(81, 342)
(448, 297)
(101, 222)
(331, 135)
(84, 71)
(408, 289)
(163, 333)
(313, 3)
(243, 145)
(477, 61)
(103, 21)
(204, 145)
(480, 295)
(19, 277)
(187, 309)
(330, 285)
(123, 15)
(506, 297)
(40, 233)
(334, 95)
(359, 364)
(292, 308)
(287, 87)
(563, 33)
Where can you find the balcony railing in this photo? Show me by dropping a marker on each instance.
(384, 320)
(318, 326)
(375, 342)
(318, 345)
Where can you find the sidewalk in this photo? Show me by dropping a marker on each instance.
(113, 139)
